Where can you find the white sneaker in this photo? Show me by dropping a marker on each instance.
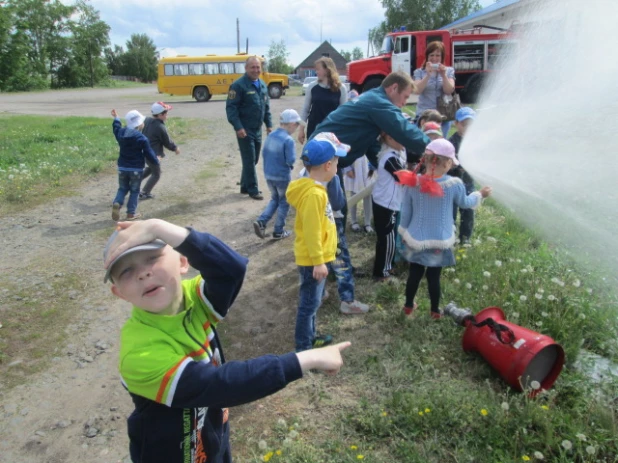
(353, 308)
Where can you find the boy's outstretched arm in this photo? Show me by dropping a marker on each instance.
(234, 383)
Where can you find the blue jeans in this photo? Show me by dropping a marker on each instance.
(278, 203)
(466, 222)
(446, 126)
(128, 182)
(309, 298)
(342, 265)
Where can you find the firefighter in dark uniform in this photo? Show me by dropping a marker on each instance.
(247, 108)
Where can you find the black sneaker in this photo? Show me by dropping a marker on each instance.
(257, 196)
(280, 236)
(322, 340)
(259, 228)
(145, 196)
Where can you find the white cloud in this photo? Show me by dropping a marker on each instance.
(209, 26)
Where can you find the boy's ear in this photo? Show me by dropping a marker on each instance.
(184, 264)
(116, 292)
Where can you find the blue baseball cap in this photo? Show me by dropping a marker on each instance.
(323, 148)
(465, 113)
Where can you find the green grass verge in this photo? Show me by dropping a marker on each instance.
(44, 157)
(422, 399)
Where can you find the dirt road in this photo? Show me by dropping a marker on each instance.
(75, 410)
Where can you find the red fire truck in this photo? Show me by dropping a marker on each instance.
(472, 53)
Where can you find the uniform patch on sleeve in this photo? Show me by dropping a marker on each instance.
(231, 94)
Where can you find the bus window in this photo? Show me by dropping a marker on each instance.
(181, 69)
(196, 69)
(227, 68)
(239, 68)
(169, 69)
(211, 68)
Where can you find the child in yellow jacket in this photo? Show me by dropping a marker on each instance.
(315, 231)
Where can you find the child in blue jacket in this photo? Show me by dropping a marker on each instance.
(134, 150)
(171, 359)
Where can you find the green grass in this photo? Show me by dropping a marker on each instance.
(421, 399)
(122, 84)
(44, 157)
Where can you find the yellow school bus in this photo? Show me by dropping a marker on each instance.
(204, 76)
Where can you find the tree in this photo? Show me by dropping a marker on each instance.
(278, 57)
(357, 54)
(90, 37)
(114, 59)
(429, 15)
(346, 55)
(140, 59)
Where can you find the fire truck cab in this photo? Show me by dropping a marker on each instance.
(470, 52)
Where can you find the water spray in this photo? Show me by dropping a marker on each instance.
(525, 359)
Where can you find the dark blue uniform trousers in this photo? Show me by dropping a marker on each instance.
(250, 147)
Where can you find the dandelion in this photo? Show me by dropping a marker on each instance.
(551, 297)
(589, 290)
(540, 290)
(544, 407)
(566, 444)
(467, 245)
(11, 177)
(477, 242)
(268, 456)
(525, 458)
(538, 296)
(577, 283)
(456, 281)
(515, 315)
(353, 447)
(484, 412)
(281, 422)
(524, 270)
(287, 442)
(360, 457)
(262, 445)
(518, 261)
(539, 323)
(450, 269)
(581, 436)
(498, 263)
(523, 298)
(557, 281)
(420, 413)
(539, 456)
(535, 385)
(486, 274)
(485, 287)
(590, 450)
(505, 406)
(491, 239)
(468, 286)
(384, 413)
(278, 452)
(428, 410)
(293, 434)
(582, 316)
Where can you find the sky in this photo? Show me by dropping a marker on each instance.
(199, 27)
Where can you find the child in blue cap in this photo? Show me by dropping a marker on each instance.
(315, 232)
(463, 119)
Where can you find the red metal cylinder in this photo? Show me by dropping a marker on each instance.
(530, 357)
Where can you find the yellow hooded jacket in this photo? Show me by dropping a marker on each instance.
(315, 230)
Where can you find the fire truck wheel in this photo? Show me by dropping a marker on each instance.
(374, 82)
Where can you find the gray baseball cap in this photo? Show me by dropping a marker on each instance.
(156, 244)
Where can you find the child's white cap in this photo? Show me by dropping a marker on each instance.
(155, 244)
(289, 116)
(443, 147)
(134, 119)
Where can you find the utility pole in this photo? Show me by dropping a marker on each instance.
(368, 42)
(237, 36)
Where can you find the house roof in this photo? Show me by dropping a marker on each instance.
(485, 11)
(325, 47)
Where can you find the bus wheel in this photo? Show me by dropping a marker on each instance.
(275, 91)
(374, 82)
(201, 94)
